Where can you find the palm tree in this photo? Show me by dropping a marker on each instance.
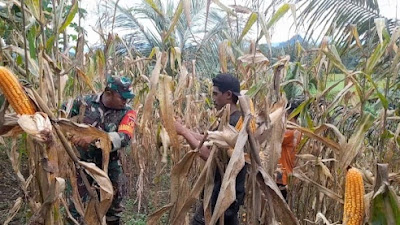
(165, 32)
(334, 17)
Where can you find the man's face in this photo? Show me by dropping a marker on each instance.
(220, 99)
(114, 101)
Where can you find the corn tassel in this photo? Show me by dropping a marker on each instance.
(354, 198)
(14, 93)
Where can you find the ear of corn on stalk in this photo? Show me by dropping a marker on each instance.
(37, 125)
(253, 125)
(14, 93)
(354, 198)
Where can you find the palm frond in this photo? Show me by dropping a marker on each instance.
(333, 17)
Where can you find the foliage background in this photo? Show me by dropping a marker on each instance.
(348, 77)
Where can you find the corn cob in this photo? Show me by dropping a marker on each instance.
(253, 125)
(14, 93)
(354, 198)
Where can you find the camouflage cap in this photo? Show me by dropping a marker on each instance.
(122, 85)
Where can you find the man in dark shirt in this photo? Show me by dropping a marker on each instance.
(226, 89)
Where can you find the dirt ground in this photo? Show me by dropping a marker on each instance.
(9, 189)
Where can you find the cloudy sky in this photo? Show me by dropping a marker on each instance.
(389, 8)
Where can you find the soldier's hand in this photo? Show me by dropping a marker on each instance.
(83, 141)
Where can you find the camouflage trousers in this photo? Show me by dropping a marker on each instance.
(114, 173)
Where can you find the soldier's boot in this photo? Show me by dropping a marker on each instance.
(115, 222)
(113, 215)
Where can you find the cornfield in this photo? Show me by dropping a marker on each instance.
(348, 79)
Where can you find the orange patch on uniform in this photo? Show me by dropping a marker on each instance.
(127, 124)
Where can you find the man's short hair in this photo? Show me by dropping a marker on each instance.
(294, 103)
(227, 82)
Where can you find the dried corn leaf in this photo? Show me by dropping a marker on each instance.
(271, 138)
(352, 147)
(269, 188)
(354, 32)
(102, 139)
(13, 211)
(227, 194)
(10, 131)
(106, 193)
(297, 173)
(76, 199)
(164, 95)
(395, 36)
(148, 104)
(54, 193)
(165, 144)
(241, 9)
(194, 193)
(325, 169)
(225, 138)
(86, 79)
(321, 218)
(179, 181)
(380, 25)
(222, 53)
(251, 59)
(312, 134)
(48, 76)
(182, 84)
(155, 217)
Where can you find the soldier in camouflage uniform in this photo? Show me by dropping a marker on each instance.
(106, 111)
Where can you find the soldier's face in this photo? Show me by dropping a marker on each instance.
(114, 100)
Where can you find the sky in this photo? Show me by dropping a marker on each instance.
(282, 32)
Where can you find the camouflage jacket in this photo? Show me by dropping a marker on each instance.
(119, 124)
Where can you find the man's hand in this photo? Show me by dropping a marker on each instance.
(83, 141)
(180, 129)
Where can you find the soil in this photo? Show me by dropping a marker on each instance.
(9, 189)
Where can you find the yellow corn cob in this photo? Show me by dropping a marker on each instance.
(14, 93)
(239, 124)
(253, 126)
(354, 198)
(253, 119)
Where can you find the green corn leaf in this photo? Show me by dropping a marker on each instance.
(49, 43)
(154, 6)
(334, 57)
(34, 7)
(175, 20)
(71, 14)
(32, 42)
(382, 98)
(252, 19)
(278, 15)
(255, 89)
(300, 108)
(153, 52)
(385, 207)
(376, 56)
